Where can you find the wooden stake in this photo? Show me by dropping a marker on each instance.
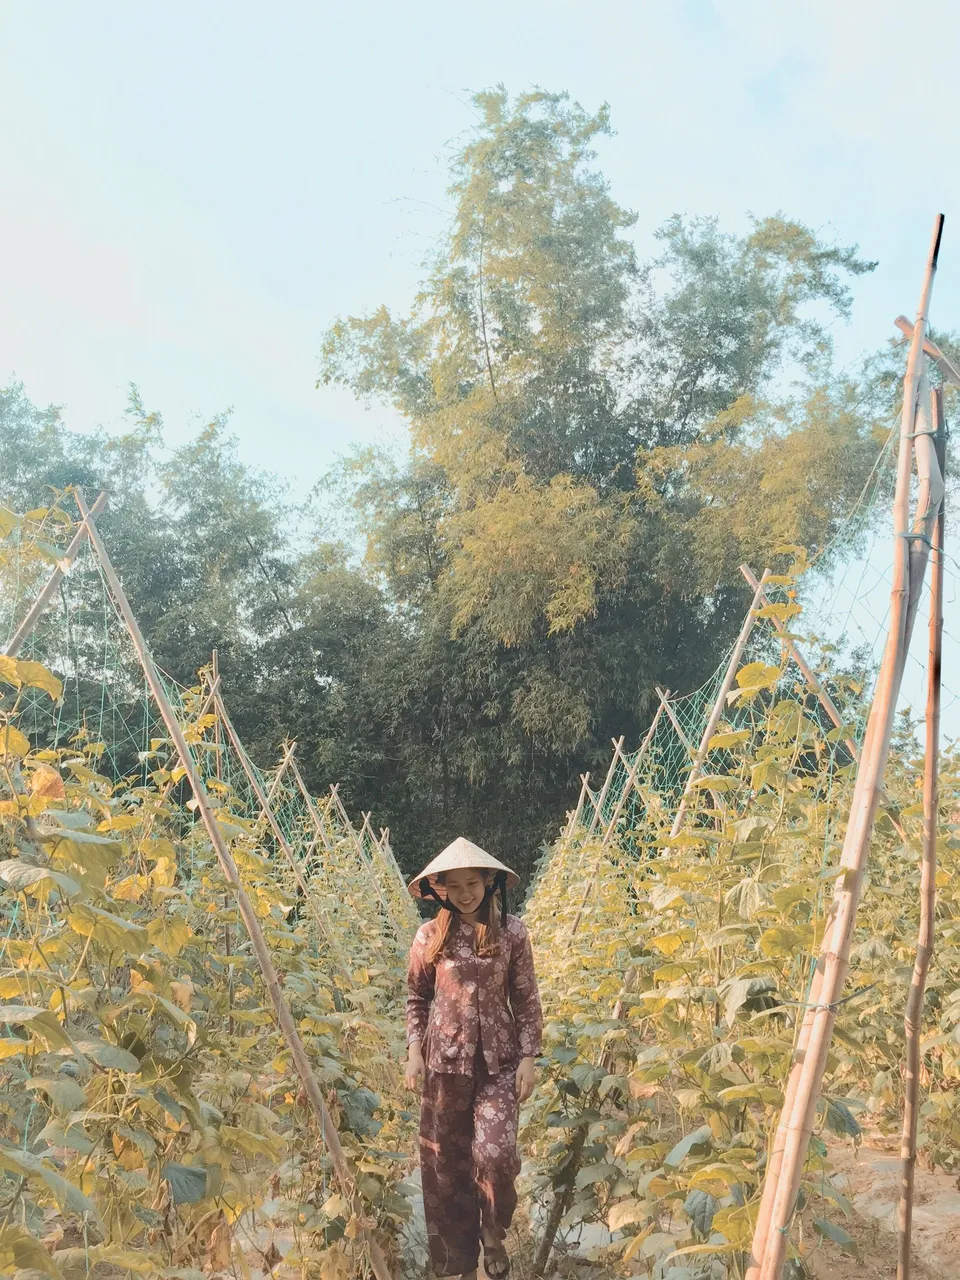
(672, 715)
(928, 876)
(598, 805)
(271, 981)
(719, 704)
(266, 808)
(618, 758)
(43, 599)
(631, 779)
(807, 671)
(787, 1156)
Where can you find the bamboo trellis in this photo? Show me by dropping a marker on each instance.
(345, 879)
(190, 729)
(921, 441)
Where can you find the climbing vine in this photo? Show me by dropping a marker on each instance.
(150, 1120)
(673, 986)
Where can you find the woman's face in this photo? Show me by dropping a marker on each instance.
(465, 889)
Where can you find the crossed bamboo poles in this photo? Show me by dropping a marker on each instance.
(364, 842)
(915, 541)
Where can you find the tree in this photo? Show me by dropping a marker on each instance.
(601, 450)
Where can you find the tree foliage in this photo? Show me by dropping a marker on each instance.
(596, 444)
(603, 437)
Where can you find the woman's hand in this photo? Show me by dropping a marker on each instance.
(525, 1079)
(414, 1070)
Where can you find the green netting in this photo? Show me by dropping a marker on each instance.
(356, 911)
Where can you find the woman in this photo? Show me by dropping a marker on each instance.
(473, 1031)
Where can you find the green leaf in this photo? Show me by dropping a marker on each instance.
(169, 934)
(188, 1184)
(56, 1134)
(28, 1253)
(41, 1022)
(109, 930)
(68, 1197)
(700, 1207)
(20, 875)
(594, 1173)
(837, 1235)
(697, 1143)
(783, 942)
(841, 1120)
(109, 1056)
(62, 1091)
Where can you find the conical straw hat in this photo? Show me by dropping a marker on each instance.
(458, 856)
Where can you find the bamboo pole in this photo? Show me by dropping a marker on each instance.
(601, 799)
(321, 832)
(367, 861)
(574, 813)
(946, 366)
(719, 703)
(266, 808)
(386, 853)
(632, 771)
(785, 1166)
(687, 744)
(391, 870)
(271, 981)
(930, 491)
(15, 644)
(594, 803)
(928, 877)
(807, 671)
(282, 767)
(618, 757)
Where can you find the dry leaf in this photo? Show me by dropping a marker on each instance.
(219, 1246)
(47, 783)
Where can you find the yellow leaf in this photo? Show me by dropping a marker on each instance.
(36, 675)
(728, 738)
(182, 993)
(636, 1242)
(8, 522)
(668, 943)
(13, 742)
(169, 934)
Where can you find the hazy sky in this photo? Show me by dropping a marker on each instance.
(191, 192)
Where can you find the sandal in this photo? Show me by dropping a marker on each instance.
(496, 1262)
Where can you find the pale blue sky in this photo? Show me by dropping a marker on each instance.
(192, 191)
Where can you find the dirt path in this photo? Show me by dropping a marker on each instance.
(872, 1184)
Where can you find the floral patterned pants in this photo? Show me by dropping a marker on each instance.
(468, 1162)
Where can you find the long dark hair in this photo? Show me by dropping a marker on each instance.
(486, 935)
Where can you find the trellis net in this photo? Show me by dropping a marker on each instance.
(201, 1138)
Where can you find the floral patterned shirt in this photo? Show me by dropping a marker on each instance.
(466, 1004)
